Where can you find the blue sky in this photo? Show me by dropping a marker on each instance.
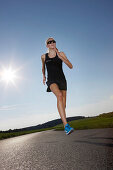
(83, 30)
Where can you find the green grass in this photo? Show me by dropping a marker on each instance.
(13, 134)
(89, 123)
(104, 120)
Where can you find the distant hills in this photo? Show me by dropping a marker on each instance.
(56, 122)
(48, 124)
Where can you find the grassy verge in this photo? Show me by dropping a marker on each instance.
(89, 123)
(13, 134)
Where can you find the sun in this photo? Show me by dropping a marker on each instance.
(8, 75)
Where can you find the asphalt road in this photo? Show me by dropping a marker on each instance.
(52, 150)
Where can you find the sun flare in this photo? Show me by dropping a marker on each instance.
(8, 75)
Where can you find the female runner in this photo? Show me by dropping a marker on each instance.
(56, 81)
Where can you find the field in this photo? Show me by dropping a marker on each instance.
(101, 121)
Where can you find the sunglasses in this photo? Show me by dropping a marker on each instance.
(49, 42)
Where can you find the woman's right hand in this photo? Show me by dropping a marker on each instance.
(44, 79)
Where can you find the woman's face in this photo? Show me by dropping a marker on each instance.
(52, 45)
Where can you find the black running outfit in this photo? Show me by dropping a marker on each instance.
(55, 72)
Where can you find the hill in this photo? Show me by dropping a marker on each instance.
(104, 120)
(48, 124)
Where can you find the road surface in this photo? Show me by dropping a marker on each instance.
(52, 150)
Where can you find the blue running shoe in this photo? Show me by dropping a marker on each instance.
(68, 129)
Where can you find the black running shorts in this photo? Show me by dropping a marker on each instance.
(61, 84)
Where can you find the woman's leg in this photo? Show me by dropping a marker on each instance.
(64, 99)
(60, 102)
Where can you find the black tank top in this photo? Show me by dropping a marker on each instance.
(54, 68)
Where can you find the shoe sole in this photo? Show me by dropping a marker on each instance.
(70, 132)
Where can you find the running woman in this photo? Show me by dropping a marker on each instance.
(56, 81)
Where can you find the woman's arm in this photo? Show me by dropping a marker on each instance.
(63, 57)
(43, 67)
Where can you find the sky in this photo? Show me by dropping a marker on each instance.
(83, 30)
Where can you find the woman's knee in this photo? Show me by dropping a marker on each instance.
(59, 96)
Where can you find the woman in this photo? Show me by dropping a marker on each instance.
(56, 81)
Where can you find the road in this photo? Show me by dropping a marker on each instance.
(53, 150)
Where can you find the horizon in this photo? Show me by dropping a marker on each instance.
(53, 120)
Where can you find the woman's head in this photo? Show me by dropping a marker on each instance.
(50, 43)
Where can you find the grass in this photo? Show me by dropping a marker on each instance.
(104, 120)
(13, 134)
(89, 123)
